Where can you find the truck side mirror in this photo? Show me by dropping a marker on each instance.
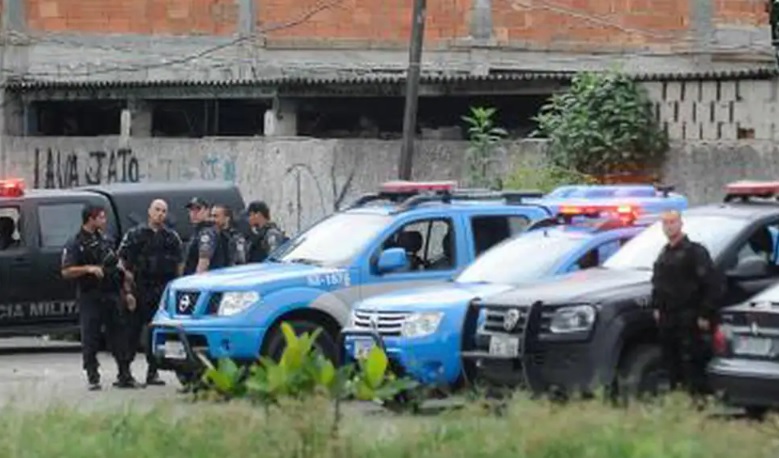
(392, 259)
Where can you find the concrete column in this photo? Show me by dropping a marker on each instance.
(702, 24)
(246, 17)
(282, 119)
(139, 120)
(481, 20)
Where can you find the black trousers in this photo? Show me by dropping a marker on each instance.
(147, 300)
(98, 313)
(686, 353)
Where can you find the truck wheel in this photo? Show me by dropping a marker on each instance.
(641, 372)
(325, 343)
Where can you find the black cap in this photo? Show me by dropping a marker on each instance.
(197, 202)
(258, 206)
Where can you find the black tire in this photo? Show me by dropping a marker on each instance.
(755, 412)
(186, 378)
(325, 342)
(641, 373)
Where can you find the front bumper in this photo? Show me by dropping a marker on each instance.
(745, 383)
(175, 345)
(543, 362)
(432, 360)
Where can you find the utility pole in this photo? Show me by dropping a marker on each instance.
(412, 89)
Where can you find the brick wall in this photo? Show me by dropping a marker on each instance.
(364, 20)
(743, 12)
(623, 22)
(168, 17)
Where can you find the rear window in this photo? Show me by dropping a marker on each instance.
(58, 222)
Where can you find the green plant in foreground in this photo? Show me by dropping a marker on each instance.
(302, 371)
(545, 178)
(484, 137)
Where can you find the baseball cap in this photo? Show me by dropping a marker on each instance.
(197, 202)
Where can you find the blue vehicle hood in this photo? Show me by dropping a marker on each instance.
(437, 297)
(261, 276)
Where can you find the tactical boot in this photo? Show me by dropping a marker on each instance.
(93, 379)
(125, 378)
(153, 378)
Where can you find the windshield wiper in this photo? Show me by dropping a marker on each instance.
(307, 261)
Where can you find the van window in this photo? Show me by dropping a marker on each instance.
(10, 236)
(58, 222)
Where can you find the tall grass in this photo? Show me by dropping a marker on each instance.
(524, 429)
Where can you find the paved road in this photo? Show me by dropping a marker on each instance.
(37, 372)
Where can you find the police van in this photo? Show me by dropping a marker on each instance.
(36, 223)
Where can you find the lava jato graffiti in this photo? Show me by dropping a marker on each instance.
(55, 169)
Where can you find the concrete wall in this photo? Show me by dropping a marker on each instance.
(305, 179)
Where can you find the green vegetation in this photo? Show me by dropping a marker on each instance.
(304, 429)
(484, 139)
(602, 126)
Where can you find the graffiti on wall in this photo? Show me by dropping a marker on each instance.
(212, 166)
(56, 169)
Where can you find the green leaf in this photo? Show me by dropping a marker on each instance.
(375, 367)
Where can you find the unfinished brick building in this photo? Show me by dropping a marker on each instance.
(225, 61)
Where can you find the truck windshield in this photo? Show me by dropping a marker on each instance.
(714, 232)
(335, 240)
(528, 257)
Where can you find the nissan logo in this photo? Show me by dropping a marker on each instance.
(511, 319)
(184, 302)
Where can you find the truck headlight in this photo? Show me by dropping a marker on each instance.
(573, 319)
(421, 324)
(236, 302)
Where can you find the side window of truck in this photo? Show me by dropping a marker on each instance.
(10, 235)
(493, 229)
(58, 222)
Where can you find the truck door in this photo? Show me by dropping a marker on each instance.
(58, 221)
(16, 272)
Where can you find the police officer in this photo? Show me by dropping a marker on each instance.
(202, 246)
(264, 235)
(685, 295)
(231, 245)
(104, 295)
(153, 254)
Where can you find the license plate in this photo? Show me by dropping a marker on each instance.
(363, 347)
(758, 346)
(504, 346)
(175, 350)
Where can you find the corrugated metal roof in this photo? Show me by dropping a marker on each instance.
(382, 78)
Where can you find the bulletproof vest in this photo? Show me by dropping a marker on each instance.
(222, 253)
(259, 247)
(191, 258)
(675, 283)
(96, 250)
(157, 260)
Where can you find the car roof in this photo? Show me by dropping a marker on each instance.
(754, 209)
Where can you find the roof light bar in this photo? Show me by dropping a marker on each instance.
(410, 187)
(752, 188)
(13, 187)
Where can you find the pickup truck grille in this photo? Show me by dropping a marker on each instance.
(498, 320)
(185, 302)
(388, 323)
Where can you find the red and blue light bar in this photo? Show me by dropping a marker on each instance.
(13, 187)
(625, 211)
(752, 188)
(411, 187)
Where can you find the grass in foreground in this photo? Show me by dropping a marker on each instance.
(526, 429)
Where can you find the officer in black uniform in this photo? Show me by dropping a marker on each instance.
(153, 254)
(231, 245)
(202, 246)
(685, 297)
(104, 295)
(264, 235)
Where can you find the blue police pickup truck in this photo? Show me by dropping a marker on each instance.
(408, 234)
(420, 329)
